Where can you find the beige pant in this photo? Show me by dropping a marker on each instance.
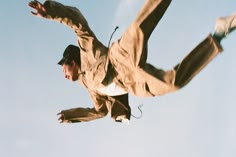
(128, 56)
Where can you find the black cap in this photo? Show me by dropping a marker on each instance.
(70, 52)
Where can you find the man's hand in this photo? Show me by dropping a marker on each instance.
(61, 118)
(40, 9)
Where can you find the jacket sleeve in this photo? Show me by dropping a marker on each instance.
(82, 114)
(88, 114)
(72, 17)
(118, 106)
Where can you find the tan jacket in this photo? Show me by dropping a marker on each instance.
(126, 61)
(94, 64)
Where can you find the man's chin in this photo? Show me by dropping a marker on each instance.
(74, 79)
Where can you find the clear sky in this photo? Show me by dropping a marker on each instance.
(197, 121)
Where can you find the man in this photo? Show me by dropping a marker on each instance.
(109, 74)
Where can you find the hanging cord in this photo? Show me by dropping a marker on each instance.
(139, 108)
(125, 107)
(141, 112)
(112, 35)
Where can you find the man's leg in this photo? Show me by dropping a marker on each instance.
(205, 51)
(128, 55)
(196, 60)
(150, 15)
(134, 40)
(150, 81)
(146, 80)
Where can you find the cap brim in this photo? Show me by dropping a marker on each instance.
(61, 62)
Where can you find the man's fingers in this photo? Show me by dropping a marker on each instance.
(60, 121)
(33, 13)
(59, 113)
(32, 4)
(40, 10)
(61, 117)
(36, 5)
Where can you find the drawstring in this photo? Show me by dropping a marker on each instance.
(112, 35)
(139, 107)
(141, 112)
(125, 107)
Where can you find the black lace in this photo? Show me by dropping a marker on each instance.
(112, 35)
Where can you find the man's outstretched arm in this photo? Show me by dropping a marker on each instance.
(80, 115)
(70, 16)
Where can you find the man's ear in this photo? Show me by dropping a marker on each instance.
(73, 63)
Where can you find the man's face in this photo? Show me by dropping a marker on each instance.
(70, 71)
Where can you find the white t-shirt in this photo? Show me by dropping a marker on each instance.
(112, 90)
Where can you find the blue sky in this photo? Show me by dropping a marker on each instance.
(197, 121)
